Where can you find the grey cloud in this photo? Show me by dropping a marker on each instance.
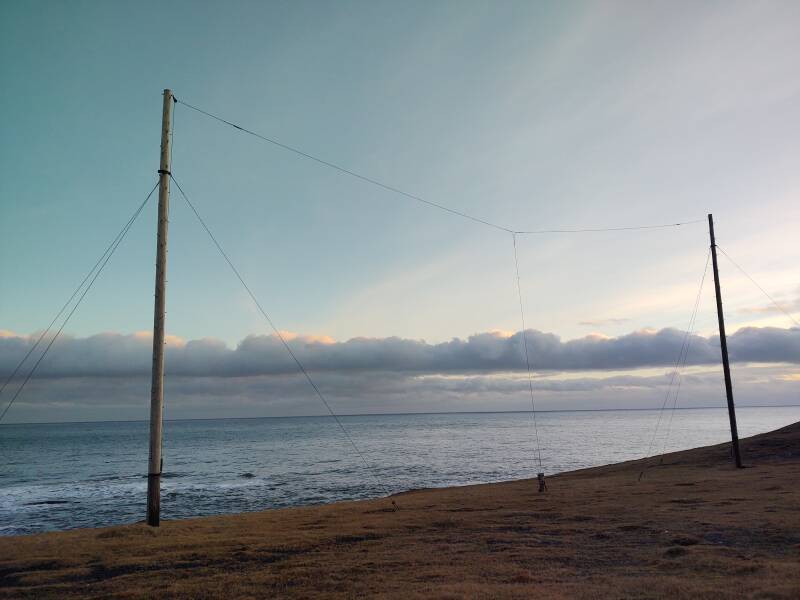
(116, 355)
(93, 398)
(778, 345)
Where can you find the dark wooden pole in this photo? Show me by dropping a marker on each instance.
(723, 344)
(157, 386)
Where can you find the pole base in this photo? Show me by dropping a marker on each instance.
(153, 499)
(542, 484)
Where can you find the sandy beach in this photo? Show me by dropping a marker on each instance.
(693, 526)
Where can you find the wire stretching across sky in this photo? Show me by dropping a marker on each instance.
(682, 355)
(283, 341)
(416, 198)
(763, 291)
(77, 290)
(97, 269)
(527, 355)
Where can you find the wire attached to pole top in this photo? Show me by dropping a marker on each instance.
(417, 198)
(301, 368)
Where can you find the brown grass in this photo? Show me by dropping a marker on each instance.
(694, 527)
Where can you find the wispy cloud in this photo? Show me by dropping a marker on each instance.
(789, 305)
(606, 321)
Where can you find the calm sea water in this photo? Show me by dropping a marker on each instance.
(60, 476)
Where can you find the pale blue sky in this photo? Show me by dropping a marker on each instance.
(530, 114)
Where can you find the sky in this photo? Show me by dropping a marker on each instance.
(531, 115)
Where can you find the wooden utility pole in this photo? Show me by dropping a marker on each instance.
(723, 344)
(157, 389)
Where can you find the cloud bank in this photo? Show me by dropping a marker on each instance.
(120, 355)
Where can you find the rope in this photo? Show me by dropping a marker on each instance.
(347, 171)
(527, 355)
(396, 190)
(685, 359)
(283, 341)
(672, 411)
(102, 262)
(598, 229)
(771, 299)
(60, 312)
(681, 356)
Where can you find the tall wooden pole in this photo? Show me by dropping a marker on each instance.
(723, 344)
(157, 388)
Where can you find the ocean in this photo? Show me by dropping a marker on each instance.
(67, 475)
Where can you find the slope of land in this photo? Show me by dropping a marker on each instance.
(692, 527)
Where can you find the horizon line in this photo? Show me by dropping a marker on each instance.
(400, 414)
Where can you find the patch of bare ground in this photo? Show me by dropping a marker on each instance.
(692, 527)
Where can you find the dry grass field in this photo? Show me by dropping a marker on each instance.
(694, 527)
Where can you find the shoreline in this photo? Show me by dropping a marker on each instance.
(695, 526)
